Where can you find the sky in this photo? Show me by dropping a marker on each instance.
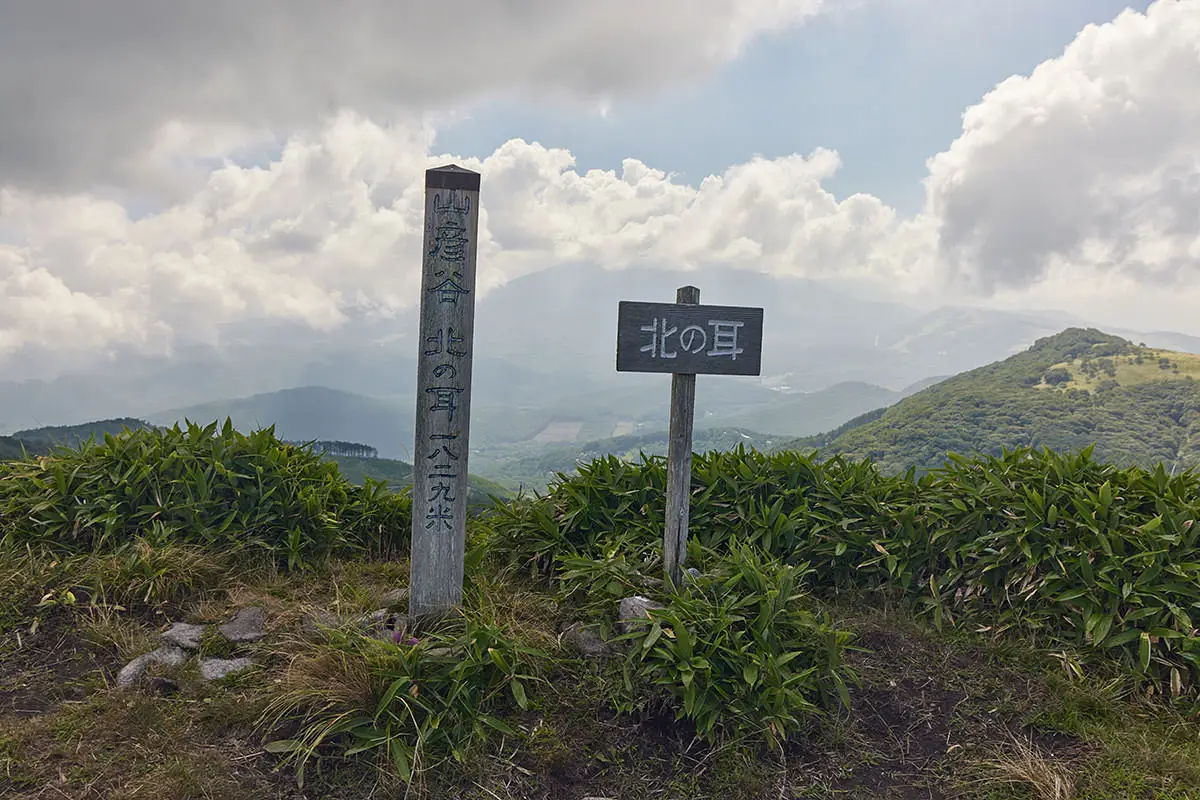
(169, 168)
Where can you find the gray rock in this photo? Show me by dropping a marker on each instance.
(587, 640)
(249, 625)
(690, 574)
(213, 668)
(167, 654)
(184, 635)
(632, 610)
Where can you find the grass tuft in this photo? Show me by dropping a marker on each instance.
(1022, 764)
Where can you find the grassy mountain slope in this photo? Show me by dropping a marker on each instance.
(572, 415)
(1007, 629)
(1076, 389)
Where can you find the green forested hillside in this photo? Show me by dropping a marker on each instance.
(11, 448)
(42, 440)
(1076, 389)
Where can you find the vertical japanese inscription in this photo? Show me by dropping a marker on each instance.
(443, 389)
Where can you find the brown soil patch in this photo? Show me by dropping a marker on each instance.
(39, 671)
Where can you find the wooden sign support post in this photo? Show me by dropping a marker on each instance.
(679, 460)
(685, 339)
(444, 351)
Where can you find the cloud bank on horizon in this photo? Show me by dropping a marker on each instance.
(170, 170)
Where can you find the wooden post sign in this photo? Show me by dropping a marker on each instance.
(685, 339)
(444, 350)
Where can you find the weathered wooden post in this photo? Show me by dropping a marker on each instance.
(444, 351)
(679, 459)
(685, 339)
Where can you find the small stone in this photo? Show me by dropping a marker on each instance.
(213, 668)
(690, 574)
(163, 687)
(184, 635)
(167, 654)
(588, 640)
(249, 625)
(632, 610)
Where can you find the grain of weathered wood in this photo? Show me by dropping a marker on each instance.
(679, 461)
(443, 412)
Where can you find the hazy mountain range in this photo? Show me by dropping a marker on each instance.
(544, 367)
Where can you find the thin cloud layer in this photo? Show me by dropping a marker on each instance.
(94, 92)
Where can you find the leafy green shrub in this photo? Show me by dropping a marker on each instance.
(1099, 557)
(1077, 552)
(413, 702)
(211, 487)
(622, 569)
(739, 654)
(780, 503)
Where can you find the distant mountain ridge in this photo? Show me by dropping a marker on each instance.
(39, 441)
(1079, 388)
(549, 338)
(641, 408)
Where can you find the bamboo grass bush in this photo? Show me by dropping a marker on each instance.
(208, 486)
(1058, 546)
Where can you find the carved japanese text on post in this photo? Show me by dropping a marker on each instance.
(444, 389)
(689, 339)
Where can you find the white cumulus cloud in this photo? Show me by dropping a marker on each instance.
(1091, 161)
(334, 223)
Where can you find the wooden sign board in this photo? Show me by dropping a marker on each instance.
(685, 339)
(689, 339)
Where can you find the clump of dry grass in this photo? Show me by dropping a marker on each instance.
(146, 573)
(109, 627)
(1021, 763)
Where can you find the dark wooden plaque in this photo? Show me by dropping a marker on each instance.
(689, 339)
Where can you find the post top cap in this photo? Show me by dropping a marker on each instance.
(451, 176)
(451, 168)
